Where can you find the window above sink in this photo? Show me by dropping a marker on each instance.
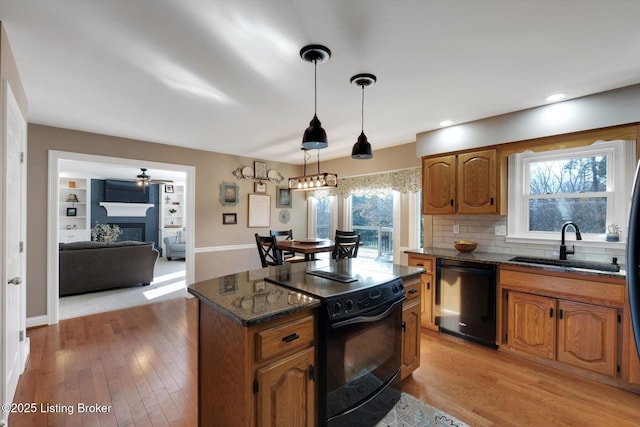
(587, 185)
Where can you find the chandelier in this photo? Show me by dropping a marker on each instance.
(313, 181)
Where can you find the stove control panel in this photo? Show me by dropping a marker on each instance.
(359, 302)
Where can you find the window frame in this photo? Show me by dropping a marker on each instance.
(621, 158)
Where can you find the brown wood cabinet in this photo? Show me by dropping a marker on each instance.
(570, 319)
(258, 375)
(581, 335)
(411, 312)
(428, 288)
(466, 183)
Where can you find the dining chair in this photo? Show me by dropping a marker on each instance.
(346, 244)
(268, 250)
(287, 256)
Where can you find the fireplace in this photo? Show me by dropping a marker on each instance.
(131, 231)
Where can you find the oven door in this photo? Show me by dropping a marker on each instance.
(363, 363)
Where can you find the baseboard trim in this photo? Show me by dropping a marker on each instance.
(37, 321)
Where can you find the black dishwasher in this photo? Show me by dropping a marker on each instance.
(465, 300)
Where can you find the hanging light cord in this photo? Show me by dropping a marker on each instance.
(362, 121)
(315, 87)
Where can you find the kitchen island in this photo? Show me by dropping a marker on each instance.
(258, 337)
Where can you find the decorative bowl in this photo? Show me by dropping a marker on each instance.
(465, 246)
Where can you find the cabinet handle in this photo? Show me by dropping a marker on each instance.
(404, 326)
(428, 285)
(419, 265)
(491, 201)
(413, 291)
(560, 314)
(551, 312)
(451, 202)
(291, 337)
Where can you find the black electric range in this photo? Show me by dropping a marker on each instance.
(360, 337)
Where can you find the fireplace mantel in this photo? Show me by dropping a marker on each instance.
(126, 209)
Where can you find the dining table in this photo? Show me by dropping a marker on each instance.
(309, 247)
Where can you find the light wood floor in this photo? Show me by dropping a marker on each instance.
(142, 362)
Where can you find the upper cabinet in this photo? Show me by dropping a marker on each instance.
(466, 183)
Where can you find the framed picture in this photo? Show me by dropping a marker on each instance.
(260, 187)
(229, 218)
(168, 188)
(259, 210)
(229, 193)
(72, 211)
(283, 197)
(260, 170)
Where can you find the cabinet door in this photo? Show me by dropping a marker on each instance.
(426, 318)
(286, 393)
(531, 324)
(410, 338)
(587, 336)
(476, 182)
(438, 185)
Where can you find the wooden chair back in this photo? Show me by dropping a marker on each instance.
(268, 250)
(346, 245)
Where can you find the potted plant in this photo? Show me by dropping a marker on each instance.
(613, 233)
(172, 211)
(105, 232)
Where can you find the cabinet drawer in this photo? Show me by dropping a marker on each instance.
(422, 262)
(412, 288)
(284, 338)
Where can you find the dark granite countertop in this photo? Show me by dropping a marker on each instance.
(249, 299)
(497, 258)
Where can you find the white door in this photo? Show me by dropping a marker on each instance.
(13, 295)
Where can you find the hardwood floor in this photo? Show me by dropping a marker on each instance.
(139, 361)
(142, 362)
(484, 387)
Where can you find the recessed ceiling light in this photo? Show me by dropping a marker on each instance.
(555, 97)
(445, 123)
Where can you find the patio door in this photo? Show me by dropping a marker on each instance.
(372, 216)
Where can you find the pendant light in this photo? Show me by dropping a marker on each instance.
(362, 149)
(314, 136)
(318, 181)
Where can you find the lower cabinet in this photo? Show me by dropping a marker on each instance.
(411, 312)
(286, 393)
(256, 376)
(577, 334)
(427, 290)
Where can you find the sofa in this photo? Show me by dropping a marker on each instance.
(175, 247)
(98, 266)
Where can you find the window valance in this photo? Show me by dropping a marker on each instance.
(403, 181)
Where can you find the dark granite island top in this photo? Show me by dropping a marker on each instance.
(261, 295)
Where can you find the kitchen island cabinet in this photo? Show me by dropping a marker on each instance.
(262, 337)
(411, 313)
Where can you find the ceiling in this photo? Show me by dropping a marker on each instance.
(226, 75)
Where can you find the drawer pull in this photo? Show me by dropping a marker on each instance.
(420, 265)
(291, 337)
(413, 291)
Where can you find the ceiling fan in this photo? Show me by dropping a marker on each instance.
(143, 179)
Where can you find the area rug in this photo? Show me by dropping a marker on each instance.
(411, 412)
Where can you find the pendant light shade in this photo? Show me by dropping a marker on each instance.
(315, 137)
(362, 149)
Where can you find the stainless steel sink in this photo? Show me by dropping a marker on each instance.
(569, 263)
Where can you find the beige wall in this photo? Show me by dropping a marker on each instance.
(211, 170)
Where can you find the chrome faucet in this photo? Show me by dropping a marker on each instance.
(563, 248)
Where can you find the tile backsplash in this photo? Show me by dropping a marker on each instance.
(481, 229)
